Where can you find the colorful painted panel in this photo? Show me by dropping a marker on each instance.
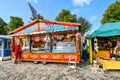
(29, 30)
(44, 56)
(56, 57)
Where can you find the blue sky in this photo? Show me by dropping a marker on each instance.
(92, 10)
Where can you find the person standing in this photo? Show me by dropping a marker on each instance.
(47, 47)
(96, 48)
(84, 52)
(16, 53)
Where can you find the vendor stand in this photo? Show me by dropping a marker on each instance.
(47, 41)
(5, 52)
(108, 38)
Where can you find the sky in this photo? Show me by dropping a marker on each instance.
(91, 10)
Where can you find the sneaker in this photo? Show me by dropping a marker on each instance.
(15, 62)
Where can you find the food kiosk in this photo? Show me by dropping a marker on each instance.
(47, 41)
(108, 40)
(5, 52)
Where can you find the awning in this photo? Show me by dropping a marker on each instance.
(107, 30)
(41, 32)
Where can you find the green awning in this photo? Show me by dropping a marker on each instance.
(106, 30)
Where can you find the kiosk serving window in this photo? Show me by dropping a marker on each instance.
(23, 42)
(53, 42)
(64, 43)
(65, 47)
(103, 43)
(106, 43)
(37, 43)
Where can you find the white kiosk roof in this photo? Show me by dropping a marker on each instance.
(5, 36)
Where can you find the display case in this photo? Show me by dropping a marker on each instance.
(65, 47)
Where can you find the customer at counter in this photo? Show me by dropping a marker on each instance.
(47, 47)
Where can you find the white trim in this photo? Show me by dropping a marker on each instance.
(7, 57)
(6, 37)
(5, 49)
(0, 58)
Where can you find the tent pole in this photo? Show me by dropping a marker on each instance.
(90, 51)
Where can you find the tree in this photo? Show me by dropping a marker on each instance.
(39, 17)
(2, 27)
(15, 22)
(66, 16)
(85, 25)
(112, 14)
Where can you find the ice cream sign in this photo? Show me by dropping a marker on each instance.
(50, 27)
(54, 28)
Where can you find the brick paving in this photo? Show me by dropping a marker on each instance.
(51, 71)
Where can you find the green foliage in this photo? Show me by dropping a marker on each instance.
(15, 22)
(85, 25)
(39, 17)
(112, 14)
(66, 16)
(2, 27)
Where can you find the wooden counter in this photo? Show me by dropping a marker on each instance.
(49, 57)
(103, 54)
(110, 64)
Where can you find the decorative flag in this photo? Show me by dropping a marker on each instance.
(47, 38)
(34, 12)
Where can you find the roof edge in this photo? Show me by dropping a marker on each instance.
(55, 22)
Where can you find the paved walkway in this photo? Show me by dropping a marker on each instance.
(51, 71)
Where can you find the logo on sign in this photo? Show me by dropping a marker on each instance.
(56, 57)
(34, 56)
(24, 56)
(45, 56)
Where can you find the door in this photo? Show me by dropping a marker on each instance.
(1, 50)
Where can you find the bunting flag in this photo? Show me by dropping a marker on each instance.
(34, 12)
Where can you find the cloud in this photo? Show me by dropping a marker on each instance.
(75, 11)
(32, 1)
(93, 17)
(81, 2)
(35, 1)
